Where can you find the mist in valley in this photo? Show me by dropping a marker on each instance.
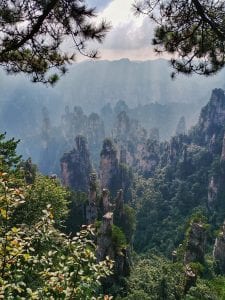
(144, 90)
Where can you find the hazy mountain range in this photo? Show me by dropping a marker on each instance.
(93, 84)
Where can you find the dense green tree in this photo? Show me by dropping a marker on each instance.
(155, 277)
(212, 289)
(33, 33)
(193, 30)
(8, 157)
(76, 215)
(42, 192)
(29, 169)
(126, 220)
(37, 261)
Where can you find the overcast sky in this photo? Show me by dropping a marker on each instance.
(130, 36)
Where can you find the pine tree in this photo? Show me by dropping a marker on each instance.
(193, 30)
(32, 33)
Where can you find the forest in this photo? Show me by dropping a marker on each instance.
(112, 171)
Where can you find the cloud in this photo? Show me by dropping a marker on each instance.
(119, 11)
(99, 4)
(130, 36)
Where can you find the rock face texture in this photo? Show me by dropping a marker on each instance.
(219, 251)
(104, 241)
(222, 158)
(91, 209)
(107, 244)
(108, 164)
(195, 249)
(95, 133)
(122, 127)
(114, 175)
(212, 191)
(212, 117)
(75, 123)
(106, 205)
(181, 126)
(119, 203)
(177, 147)
(154, 134)
(133, 145)
(76, 166)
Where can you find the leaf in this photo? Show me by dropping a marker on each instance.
(3, 213)
(15, 230)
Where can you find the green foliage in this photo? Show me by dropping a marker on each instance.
(38, 261)
(29, 170)
(8, 158)
(217, 284)
(76, 214)
(202, 291)
(23, 47)
(42, 192)
(108, 147)
(155, 277)
(198, 216)
(179, 189)
(127, 222)
(155, 228)
(122, 179)
(125, 177)
(182, 30)
(118, 238)
(197, 268)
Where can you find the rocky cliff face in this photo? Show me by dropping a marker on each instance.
(147, 157)
(115, 174)
(104, 242)
(154, 134)
(73, 123)
(195, 252)
(181, 126)
(219, 251)
(195, 249)
(212, 191)
(107, 241)
(135, 148)
(108, 164)
(214, 111)
(212, 119)
(76, 166)
(119, 203)
(76, 122)
(95, 133)
(122, 127)
(222, 157)
(91, 209)
(178, 148)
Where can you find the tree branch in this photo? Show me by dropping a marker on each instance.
(213, 25)
(35, 29)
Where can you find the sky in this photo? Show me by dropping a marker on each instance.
(130, 36)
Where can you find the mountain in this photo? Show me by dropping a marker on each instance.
(136, 82)
(175, 189)
(188, 179)
(153, 99)
(92, 84)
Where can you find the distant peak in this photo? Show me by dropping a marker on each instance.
(217, 96)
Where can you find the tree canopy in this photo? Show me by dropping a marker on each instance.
(32, 33)
(192, 30)
(37, 260)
